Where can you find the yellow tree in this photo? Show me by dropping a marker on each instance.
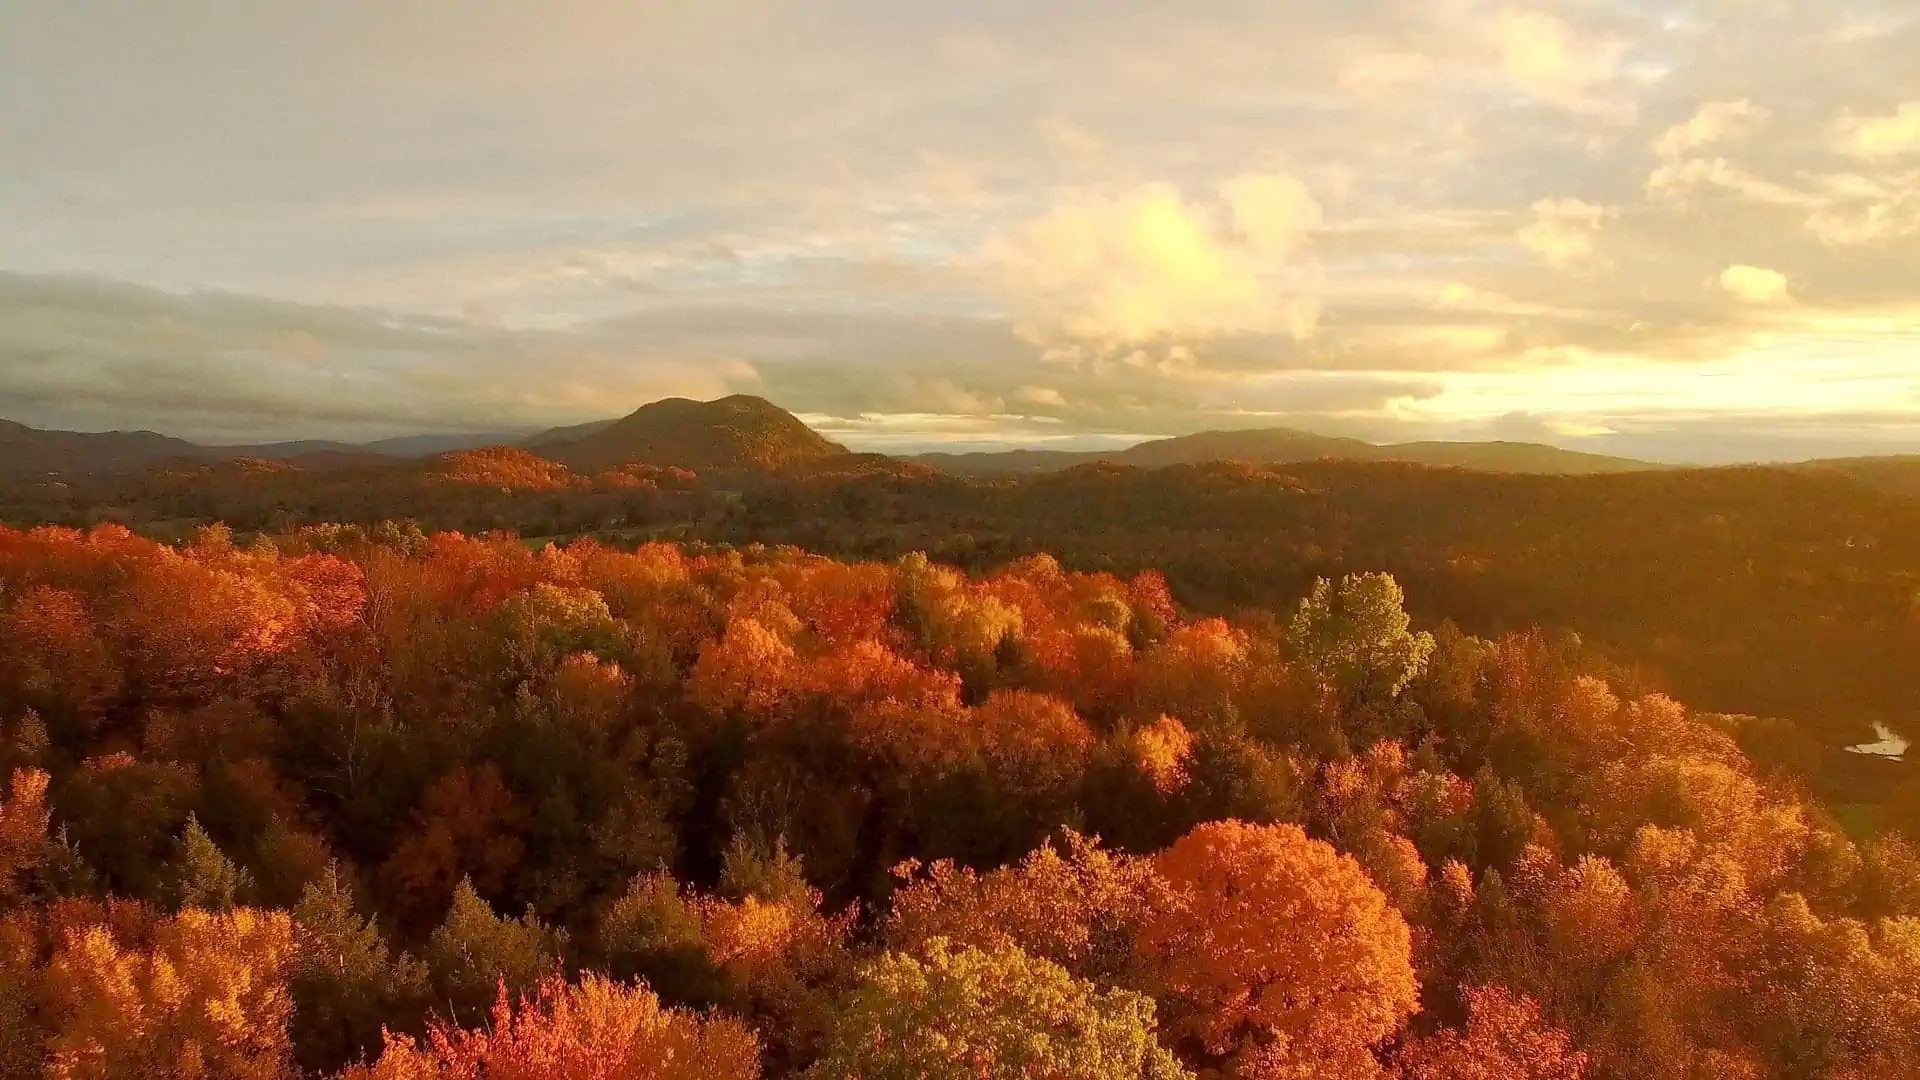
(23, 830)
(207, 1001)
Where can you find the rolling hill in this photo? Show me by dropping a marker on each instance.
(26, 451)
(732, 434)
(1897, 474)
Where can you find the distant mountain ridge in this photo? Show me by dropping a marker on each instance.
(744, 433)
(26, 450)
(29, 451)
(1289, 446)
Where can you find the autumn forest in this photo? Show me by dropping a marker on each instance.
(379, 804)
(911, 540)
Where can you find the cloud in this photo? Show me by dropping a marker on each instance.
(1716, 122)
(1273, 213)
(1458, 294)
(1542, 55)
(1563, 231)
(1114, 273)
(1041, 395)
(1388, 71)
(1875, 138)
(1754, 284)
(1857, 210)
(1682, 179)
(91, 354)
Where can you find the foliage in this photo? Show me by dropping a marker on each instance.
(993, 1014)
(1282, 954)
(476, 951)
(207, 998)
(590, 1031)
(767, 783)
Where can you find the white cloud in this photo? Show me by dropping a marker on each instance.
(1716, 122)
(1563, 231)
(1878, 137)
(1754, 284)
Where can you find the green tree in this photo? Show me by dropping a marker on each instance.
(990, 1014)
(347, 983)
(653, 932)
(201, 875)
(475, 952)
(1356, 638)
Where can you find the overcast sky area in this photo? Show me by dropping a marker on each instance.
(1679, 230)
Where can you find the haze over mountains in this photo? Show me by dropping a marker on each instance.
(744, 433)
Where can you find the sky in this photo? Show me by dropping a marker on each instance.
(1685, 230)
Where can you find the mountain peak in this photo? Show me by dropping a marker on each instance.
(733, 433)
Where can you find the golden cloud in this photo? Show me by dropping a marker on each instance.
(1563, 231)
(1754, 284)
(1113, 273)
(1878, 137)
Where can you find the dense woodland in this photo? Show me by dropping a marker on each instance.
(1770, 591)
(383, 804)
(471, 491)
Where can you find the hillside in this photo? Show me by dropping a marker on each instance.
(26, 451)
(738, 433)
(571, 433)
(1288, 446)
(1898, 474)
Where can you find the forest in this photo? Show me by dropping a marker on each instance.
(1760, 590)
(378, 803)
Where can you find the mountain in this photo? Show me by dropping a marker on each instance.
(1897, 474)
(26, 451)
(399, 446)
(1289, 446)
(571, 433)
(1263, 445)
(738, 433)
(1510, 457)
(429, 445)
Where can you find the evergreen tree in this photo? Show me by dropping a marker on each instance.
(201, 875)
